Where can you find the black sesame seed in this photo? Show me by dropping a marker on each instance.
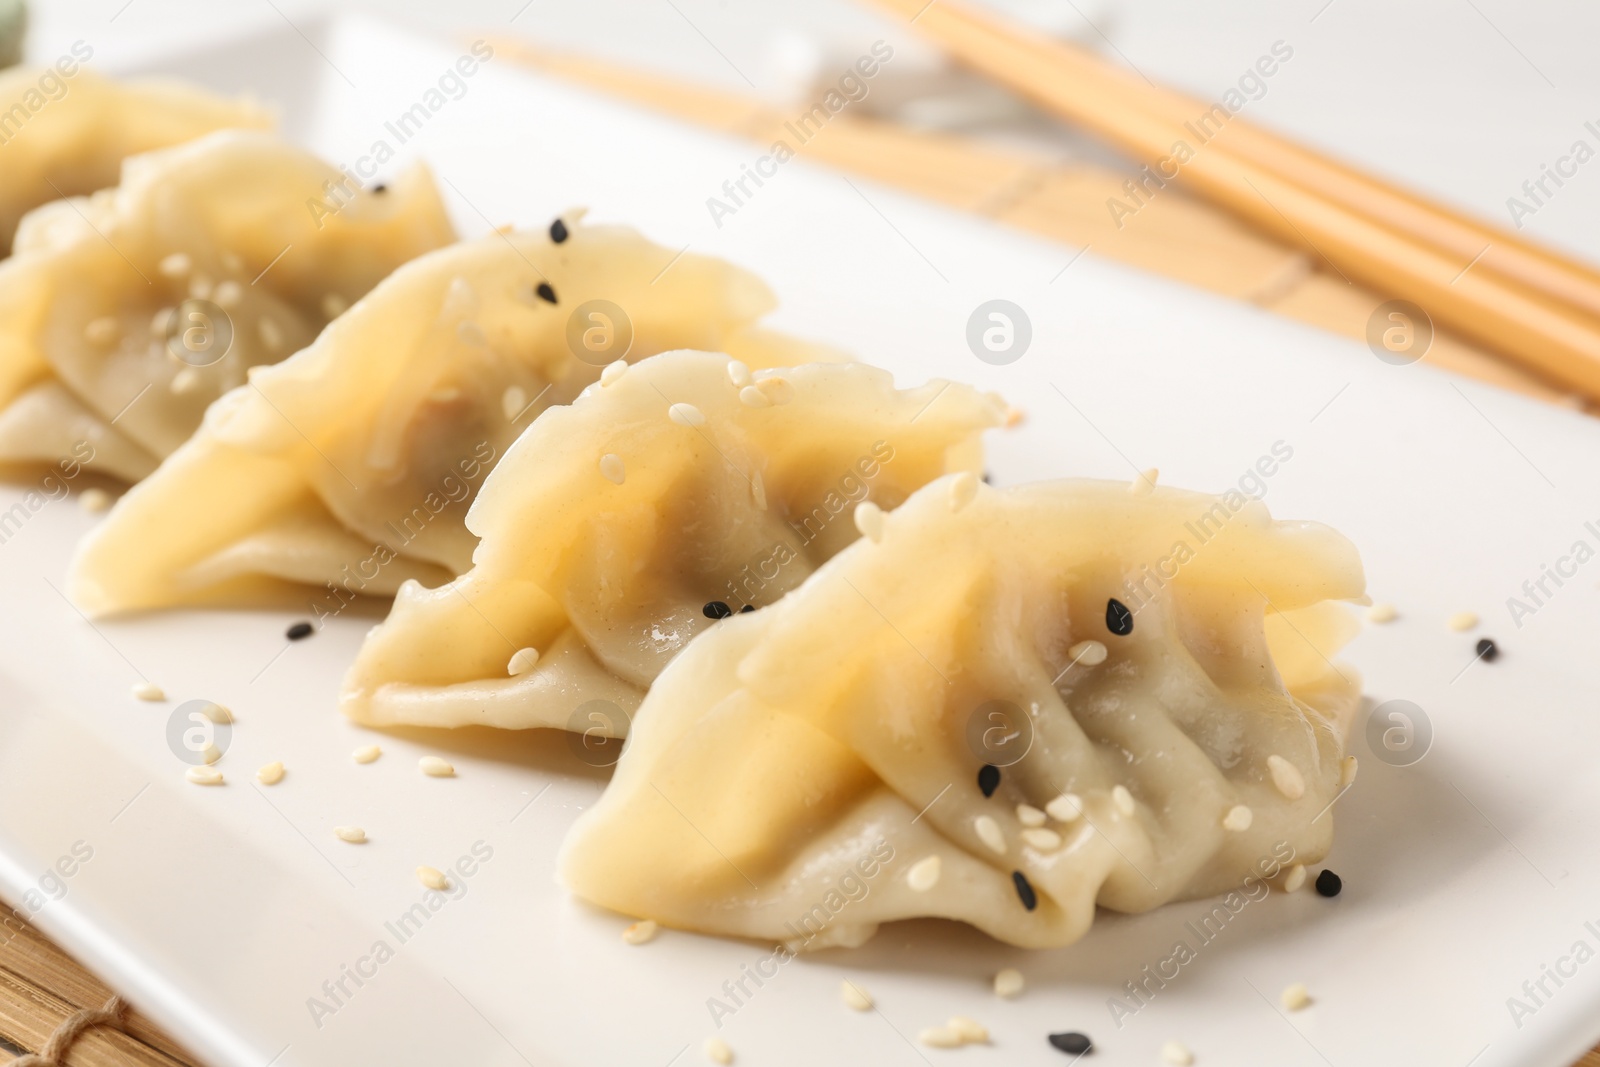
(558, 231)
(747, 607)
(298, 631)
(1072, 1043)
(717, 610)
(1119, 620)
(545, 292)
(1024, 890)
(1329, 884)
(380, 189)
(988, 479)
(1487, 650)
(988, 779)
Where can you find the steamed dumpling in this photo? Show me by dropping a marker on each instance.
(66, 134)
(350, 467)
(864, 719)
(124, 315)
(615, 527)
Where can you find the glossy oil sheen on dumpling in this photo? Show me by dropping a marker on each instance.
(67, 134)
(846, 724)
(350, 467)
(613, 523)
(87, 300)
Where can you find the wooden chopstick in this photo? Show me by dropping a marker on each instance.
(1535, 314)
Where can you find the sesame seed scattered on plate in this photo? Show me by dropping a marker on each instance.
(940, 1037)
(854, 996)
(1329, 884)
(989, 833)
(148, 691)
(1286, 777)
(1145, 484)
(686, 415)
(271, 773)
(1071, 1042)
(206, 775)
(611, 468)
(94, 500)
(716, 609)
(1065, 808)
(299, 631)
(640, 932)
(869, 520)
(1177, 1054)
(175, 266)
(366, 753)
(1295, 997)
(970, 1031)
(1238, 818)
(434, 767)
(1487, 650)
(924, 874)
(558, 231)
(613, 372)
(355, 835)
(1025, 893)
(1382, 612)
(546, 293)
(988, 779)
(1015, 417)
(1293, 878)
(1008, 983)
(1041, 839)
(1030, 816)
(718, 1051)
(512, 401)
(522, 661)
(751, 397)
(962, 490)
(1088, 653)
(433, 878)
(212, 753)
(187, 380)
(1462, 620)
(738, 373)
(1122, 799)
(1347, 771)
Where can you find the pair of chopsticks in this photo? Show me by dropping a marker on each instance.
(1526, 303)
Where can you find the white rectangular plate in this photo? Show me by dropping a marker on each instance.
(229, 913)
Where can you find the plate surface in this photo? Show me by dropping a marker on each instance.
(237, 919)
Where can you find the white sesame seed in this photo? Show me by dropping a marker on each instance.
(758, 490)
(611, 468)
(187, 380)
(1122, 799)
(1295, 997)
(640, 932)
(148, 691)
(271, 334)
(1177, 1054)
(206, 775)
(1293, 878)
(738, 373)
(211, 754)
(160, 321)
(1286, 776)
(522, 661)
(217, 713)
(970, 1031)
(270, 774)
(175, 265)
(1065, 808)
(686, 415)
(854, 996)
(777, 390)
(1030, 816)
(613, 372)
(989, 833)
(512, 401)
(103, 331)
(1008, 983)
(1145, 483)
(1347, 771)
(1238, 818)
(1088, 653)
(94, 500)
(751, 397)
(1042, 839)
(366, 753)
(353, 834)
(434, 767)
(200, 287)
(433, 878)
(228, 294)
(718, 1051)
(940, 1037)
(924, 874)
(962, 490)
(1382, 613)
(334, 305)
(1462, 620)
(869, 520)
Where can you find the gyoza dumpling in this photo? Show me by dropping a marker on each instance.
(681, 489)
(1150, 670)
(65, 130)
(350, 467)
(124, 315)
